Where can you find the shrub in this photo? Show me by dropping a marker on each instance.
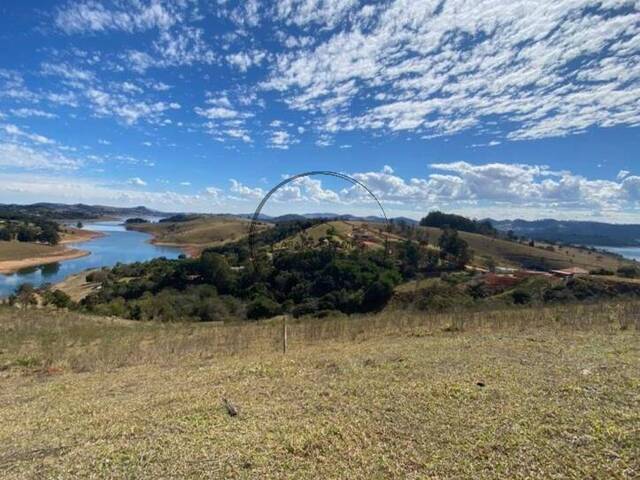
(263, 307)
(629, 271)
(58, 299)
(521, 297)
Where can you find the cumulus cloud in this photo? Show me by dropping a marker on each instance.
(243, 192)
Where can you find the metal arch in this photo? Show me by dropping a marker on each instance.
(266, 198)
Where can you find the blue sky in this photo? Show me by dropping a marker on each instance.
(487, 107)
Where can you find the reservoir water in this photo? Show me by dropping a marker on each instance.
(118, 245)
(632, 253)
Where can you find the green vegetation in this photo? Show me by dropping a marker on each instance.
(208, 289)
(448, 220)
(135, 220)
(23, 228)
(309, 267)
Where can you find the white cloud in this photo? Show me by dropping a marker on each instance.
(282, 140)
(547, 68)
(92, 16)
(327, 13)
(245, 60)
(243, 192)
(16, 132)
(137, 181)
(622, 174)
(16, 156)
(31, 112)
(27, 188)
(130, 111)
(224, 120)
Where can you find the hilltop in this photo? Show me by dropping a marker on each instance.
(194, 233)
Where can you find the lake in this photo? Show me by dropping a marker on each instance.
(118, 245)
(632, 253)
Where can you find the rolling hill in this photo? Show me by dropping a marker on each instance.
(574, 232)
(197, 234)
(504, 252)
(79, 211)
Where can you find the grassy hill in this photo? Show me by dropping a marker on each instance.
(521, 394)
(197, 234)
(513, 254)
(503, 252)
(340, 231)
(10, 251)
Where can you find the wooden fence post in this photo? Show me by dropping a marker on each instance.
(284, 334)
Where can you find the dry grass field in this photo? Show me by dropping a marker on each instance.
(17, 255)
(196, 235)
(513, 254)
(10, 251)
(546, 393)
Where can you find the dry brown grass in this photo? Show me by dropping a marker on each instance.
(10, 251)
(514, 254)
(387, 396)
(196, 235)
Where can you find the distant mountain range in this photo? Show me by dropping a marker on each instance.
(573, 232)
(332, 216)
(79, 211)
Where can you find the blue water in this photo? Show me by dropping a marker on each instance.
(118, 245)
(632, 253)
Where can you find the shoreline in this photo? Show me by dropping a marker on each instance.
(191, 250)
(80, 235)
(8, 267)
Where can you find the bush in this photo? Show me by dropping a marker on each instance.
(602, 271)
(377, 296)
(629, 271)
(98, 276)
(263, 307)
(58, 299)
(521, 297)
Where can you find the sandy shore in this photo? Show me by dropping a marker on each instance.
(75, 235)
(12, 266)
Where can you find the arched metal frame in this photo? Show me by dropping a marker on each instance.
(256, 215)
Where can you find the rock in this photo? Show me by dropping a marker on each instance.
(232, 410)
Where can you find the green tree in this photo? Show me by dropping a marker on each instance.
(454, 249)
(216, 271)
